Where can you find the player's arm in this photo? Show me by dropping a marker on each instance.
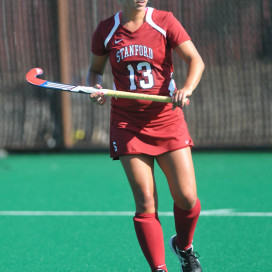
(95, 75)
(190, 55)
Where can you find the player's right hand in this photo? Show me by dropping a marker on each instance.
(98, 98)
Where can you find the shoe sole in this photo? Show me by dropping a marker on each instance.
(174, 251)
(171, 244)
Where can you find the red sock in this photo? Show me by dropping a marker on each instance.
(185, 221)
(150, 236)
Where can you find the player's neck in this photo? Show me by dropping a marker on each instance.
(134, 17)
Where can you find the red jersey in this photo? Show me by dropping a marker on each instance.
(141, 62)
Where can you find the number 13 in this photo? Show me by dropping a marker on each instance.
(144, 84)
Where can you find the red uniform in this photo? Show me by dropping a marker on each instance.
(141, 62)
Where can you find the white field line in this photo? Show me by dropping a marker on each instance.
(220, 212)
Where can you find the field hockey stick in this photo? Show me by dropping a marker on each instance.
(31, 77)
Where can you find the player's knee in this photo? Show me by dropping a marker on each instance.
(187, 200)
(146, 204)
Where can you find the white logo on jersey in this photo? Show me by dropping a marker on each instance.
(134, 50)
(118, 41)
(114, 146)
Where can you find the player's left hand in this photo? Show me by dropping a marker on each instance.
(180, 97)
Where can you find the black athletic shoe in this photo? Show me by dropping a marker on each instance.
(188, 259)
(160, 270)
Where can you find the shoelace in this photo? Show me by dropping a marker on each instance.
(191, 259)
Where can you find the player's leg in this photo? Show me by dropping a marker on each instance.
(179, 170)
(140, 173)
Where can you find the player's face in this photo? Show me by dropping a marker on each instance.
(134, 4)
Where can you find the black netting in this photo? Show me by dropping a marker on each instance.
(29, 118)
(230, 108)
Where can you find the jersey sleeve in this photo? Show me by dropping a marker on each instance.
(176, 34)
(98, 47)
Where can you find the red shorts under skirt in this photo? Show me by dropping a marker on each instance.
(148, 140)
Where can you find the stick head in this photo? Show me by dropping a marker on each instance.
(31, 76)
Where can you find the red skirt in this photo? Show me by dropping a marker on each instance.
(151, 140)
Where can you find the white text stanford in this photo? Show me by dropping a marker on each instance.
(134, 50)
